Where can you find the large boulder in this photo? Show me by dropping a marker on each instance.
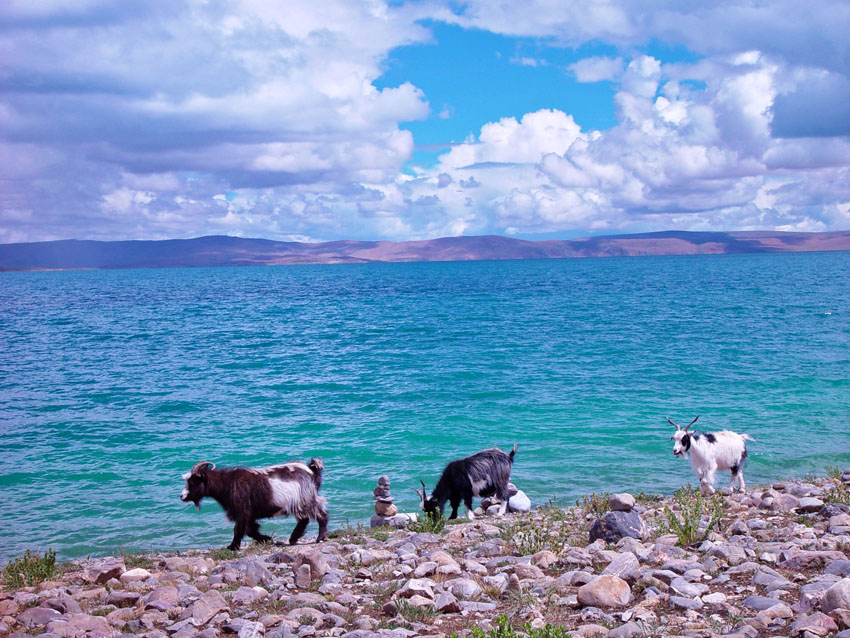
(616, 525)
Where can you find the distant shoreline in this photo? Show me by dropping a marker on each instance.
(212, 251)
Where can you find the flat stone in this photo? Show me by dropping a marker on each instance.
(714, 598)
(38, 616)
(207, 606)
(810, 504)
(759, 603)
(686, 603)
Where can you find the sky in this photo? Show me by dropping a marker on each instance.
(338, 119)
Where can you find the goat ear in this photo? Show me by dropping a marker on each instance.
(421, 497)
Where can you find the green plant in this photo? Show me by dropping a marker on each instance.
(595, 503)
(837, 493)
(834, 473)
(529, 536)
(306, 619)
(504, 629)
(691, 525)
(29, 569)
(432, 522)
(412, 613)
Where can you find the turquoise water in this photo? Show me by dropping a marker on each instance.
(113, 383)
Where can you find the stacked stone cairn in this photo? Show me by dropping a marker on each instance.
(386, 513)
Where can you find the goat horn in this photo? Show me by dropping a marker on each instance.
(678, 427)
(691, 423)
(424, 491)
(198, 466)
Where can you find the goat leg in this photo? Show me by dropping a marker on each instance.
(322, 520)
(298, 532)
(254, 532)
(238, 535)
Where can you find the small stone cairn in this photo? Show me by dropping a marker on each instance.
(386, 513)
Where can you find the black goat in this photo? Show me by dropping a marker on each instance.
(248, 494)
(486, 473)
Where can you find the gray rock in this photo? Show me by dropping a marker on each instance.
(810, 504)
(760, 603)
(837, 596)
(626, 566)
(462, 587)
(252, 630)
(122, 598)
(107, 570)
(253, 572)
(447, 603)
(35, 616)
(838, 567)
(207, 606)
(629, 630)
(64, 604)
(686, 603)
(690, 590)
(624, 502)
(616, 525)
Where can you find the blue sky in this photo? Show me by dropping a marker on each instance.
(334, 119)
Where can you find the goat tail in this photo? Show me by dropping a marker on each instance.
(316, 466)
(513, 452)
(747, 437)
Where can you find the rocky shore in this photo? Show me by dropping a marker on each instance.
(772, 561)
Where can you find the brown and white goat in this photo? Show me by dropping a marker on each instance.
(247, 494)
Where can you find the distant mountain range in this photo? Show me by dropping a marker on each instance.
(236, 251)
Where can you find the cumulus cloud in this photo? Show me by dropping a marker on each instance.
(683, 156)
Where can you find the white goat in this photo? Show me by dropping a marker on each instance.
(710, 452)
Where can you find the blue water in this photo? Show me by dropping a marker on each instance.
(113, 383)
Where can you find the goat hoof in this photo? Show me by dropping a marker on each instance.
(233, 548)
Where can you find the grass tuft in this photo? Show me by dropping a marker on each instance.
(433, 523)
(412, 613)
(698, 515)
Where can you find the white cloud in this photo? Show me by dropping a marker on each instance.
(133, 119)
(597, 69)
